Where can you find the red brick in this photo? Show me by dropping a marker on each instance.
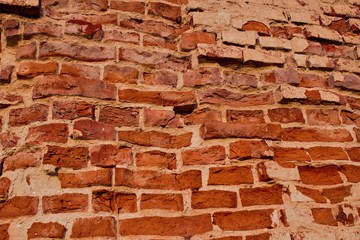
(173, 202)
(19, 206)
(244, 220)
(161, 77)
(47, 28)
(80, 70)
(156, 139)
(221, 53)
(159, 42)
(327, 153)
(286, 115)
(114, 202)
(213, 130)
(84, 29)
(156, 159)
(4, 234)
(323, 117)
(157, 117)
(229, 238)
(67, 157)
(120, 74)
(119, 116)
(189, 40)
(351, 172)
(164, 98)
(234, 175)
(25, 116)
(26, 51)
(180, 2)
(259, 27)
(7, 99)
(85, 179)
(262, 236)
(316, 135)
(165, 10)
(338, 194)
(46, 230)
(65, 85)
(72, 109)
(261, 195)
(249, 149)
(185, 226)
(4, 188)
(201, 116)
(354, 153)
(225, 97)
(94, 227)
(241, 80)
(52, 132)
(202, 76)
(312, 193)
(282, 76)
(313, 80)
(76, 51)
(92, 18)
(5, 74)
(158, 60)
(245, 116)
(120, 36)
(33, 69)
(88, 129)
(201, 156)
(290, 155)
(324, 216)
(8, 139)
(213, 199)
(65, 203)
(107, 155)
(128, 6)
(155, 28)
(97, 5)
(22, 160)
(149, 179)
(326, 175)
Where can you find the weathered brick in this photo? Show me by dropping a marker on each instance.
(47, 28)
(327, 175)
(119, 36)
(351, 172)
(202, 76)
(316, 135)
(189, 40)
(164, 226)
(4, 188)
(321, 32)
(156, 139)
(274, 43)
(84, 29)
(114, 202)
(258, 27)
(173, 202)
(65, 203)
(202, 115)
(76, 51)
(323, 117)
(290, 155)
(5, 74)
(149, 179)
(94, 227)
(324, 216)
(313, 194)
(8, 139)
(67, 157)
(46, 86)
(19, 206)
(225, 97)
(97, 5)
(220, 51)
(128, 6)
(159, 42)
(354, 153)
(81, 70)
(23, 160)
(92, 18)
(119, 116)
(244, 220)
(46, 230)
(156, 158)
(52, 132)
(261, 195)
(88, 129)
(265, 57)
(165, 10)
(250, 149)
(240, 38)
(72, 109)
(241, 80)
(286, 115)
(26, 51)
(85, 179)
(213, 130)
(120, 74)
(213, 199)
(33, 69)
(25, 116)
(156, 60)
(107, 155)
(230, 175)
(158, 117)
(155, 28)
(289, 76)
(208, 155)
(327, 153)
(337, 194)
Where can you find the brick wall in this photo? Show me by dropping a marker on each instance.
(181, 119)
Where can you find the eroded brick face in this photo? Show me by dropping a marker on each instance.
(180, 119)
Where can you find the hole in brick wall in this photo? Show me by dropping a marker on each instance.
(28, 8)
(1, 167)
(225, 62)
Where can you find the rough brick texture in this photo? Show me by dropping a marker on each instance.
(180, 119)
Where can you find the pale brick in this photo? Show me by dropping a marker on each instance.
(321, 62)
(299, 44)
(264, 56)
(304, 17)
(301, 60)
(221, 51)
(348, 65)
(323, 33)
(241, 38)
(271, 42)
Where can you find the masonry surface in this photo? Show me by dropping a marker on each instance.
(181, 119)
